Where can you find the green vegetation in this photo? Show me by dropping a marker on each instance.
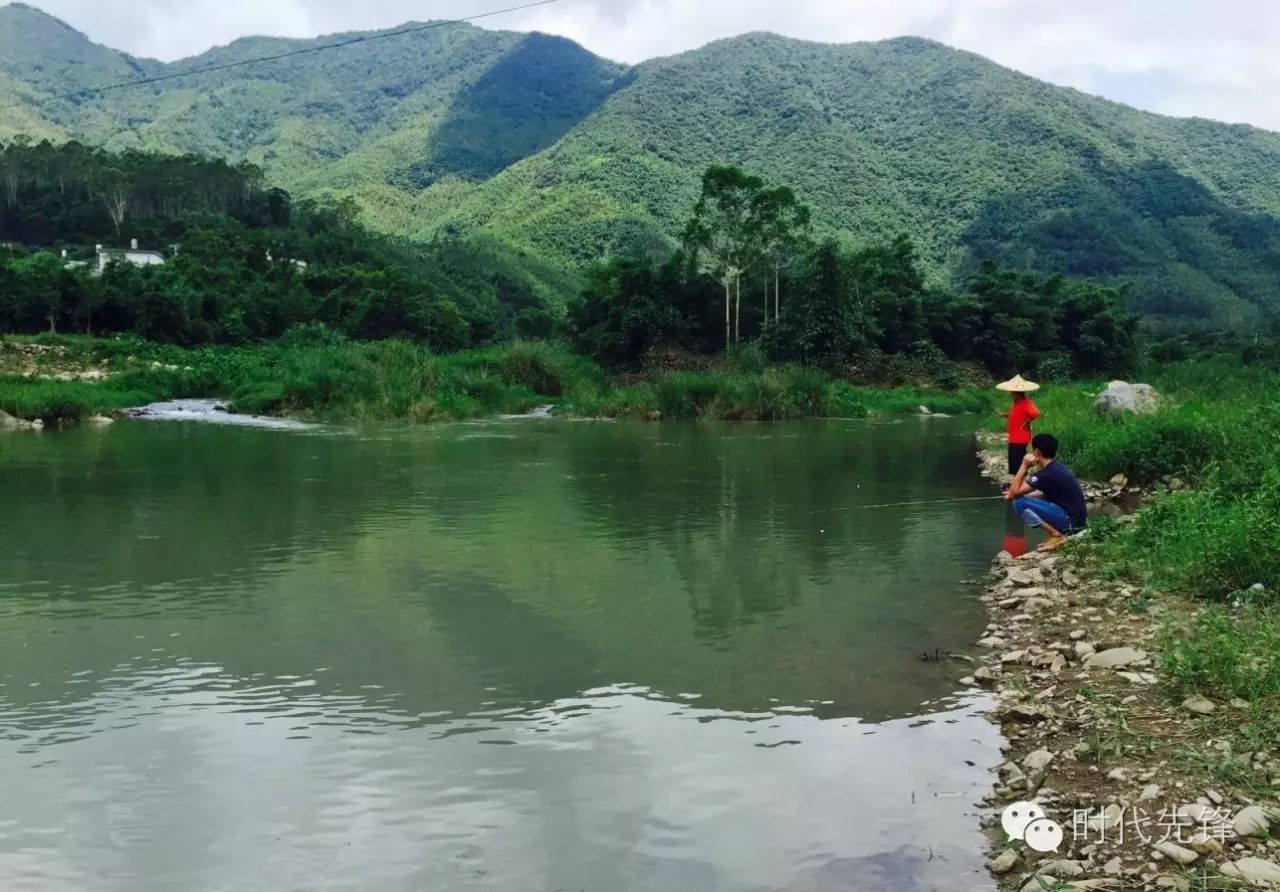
(1210, 532)
(241, 261)
(828, 307)
(313, 372)
(545, 158)
(232, 277)
(1229, 653)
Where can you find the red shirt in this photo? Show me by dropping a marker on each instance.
(1020, 417)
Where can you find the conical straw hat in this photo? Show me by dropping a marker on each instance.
(1018, 384)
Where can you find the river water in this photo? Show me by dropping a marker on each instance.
(513, 655)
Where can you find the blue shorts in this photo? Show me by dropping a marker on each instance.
(1037, 512)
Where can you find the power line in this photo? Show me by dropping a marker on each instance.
(367, 38)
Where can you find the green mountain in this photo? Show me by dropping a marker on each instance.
(551, 157)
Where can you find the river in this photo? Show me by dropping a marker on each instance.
(510, 655)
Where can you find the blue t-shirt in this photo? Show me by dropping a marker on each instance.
(1062, 488)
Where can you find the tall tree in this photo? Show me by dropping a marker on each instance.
(724, 232)
(783, 226)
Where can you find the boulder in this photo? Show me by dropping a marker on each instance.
(1121, 397)
(1254, 871)
(8, 422)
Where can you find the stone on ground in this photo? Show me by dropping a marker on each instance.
(1199, 705)
(1254, 871)
(1176, 852)
(1252, 821)
(1121, 397)
(1004, 862)
(1037, 761)
(1115, 658)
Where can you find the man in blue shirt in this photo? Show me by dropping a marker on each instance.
(1047, 495)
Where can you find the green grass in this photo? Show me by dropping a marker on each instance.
(53, 401)
(314, 373)
(1213, 542)
(1227, 652)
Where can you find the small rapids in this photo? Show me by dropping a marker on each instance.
(209, 412)
(532, 414)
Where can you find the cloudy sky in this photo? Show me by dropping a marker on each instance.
(1212, 58)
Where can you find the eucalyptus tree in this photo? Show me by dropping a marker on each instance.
(783, 229)
(724, 234)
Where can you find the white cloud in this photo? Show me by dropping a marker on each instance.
(1175, 56)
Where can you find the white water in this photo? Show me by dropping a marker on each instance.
(210, 412)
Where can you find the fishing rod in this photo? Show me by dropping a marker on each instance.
(909, 504)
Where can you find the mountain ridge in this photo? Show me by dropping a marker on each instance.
(532, 142)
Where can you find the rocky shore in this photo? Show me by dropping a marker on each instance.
(1147, 786)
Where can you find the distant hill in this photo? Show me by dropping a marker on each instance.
(554, 157)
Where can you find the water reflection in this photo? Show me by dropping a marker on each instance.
(523, 656)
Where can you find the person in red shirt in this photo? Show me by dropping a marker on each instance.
(1022, 414)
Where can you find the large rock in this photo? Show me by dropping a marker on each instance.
(1252, 821)
(1121, 397)
(1255, 872)
(1115, 658)
(8, 422)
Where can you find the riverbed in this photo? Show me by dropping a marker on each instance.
(526, 654)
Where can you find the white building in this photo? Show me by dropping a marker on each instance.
(297, 264)
(131, 255)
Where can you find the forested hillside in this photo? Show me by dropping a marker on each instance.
(241, 261)
(545, 158)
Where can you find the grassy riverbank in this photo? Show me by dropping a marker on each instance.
(1212, 453)
(1191, 582)
(316, 374)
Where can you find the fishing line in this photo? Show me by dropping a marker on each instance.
(909, 504)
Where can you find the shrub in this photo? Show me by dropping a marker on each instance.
(534, 365)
